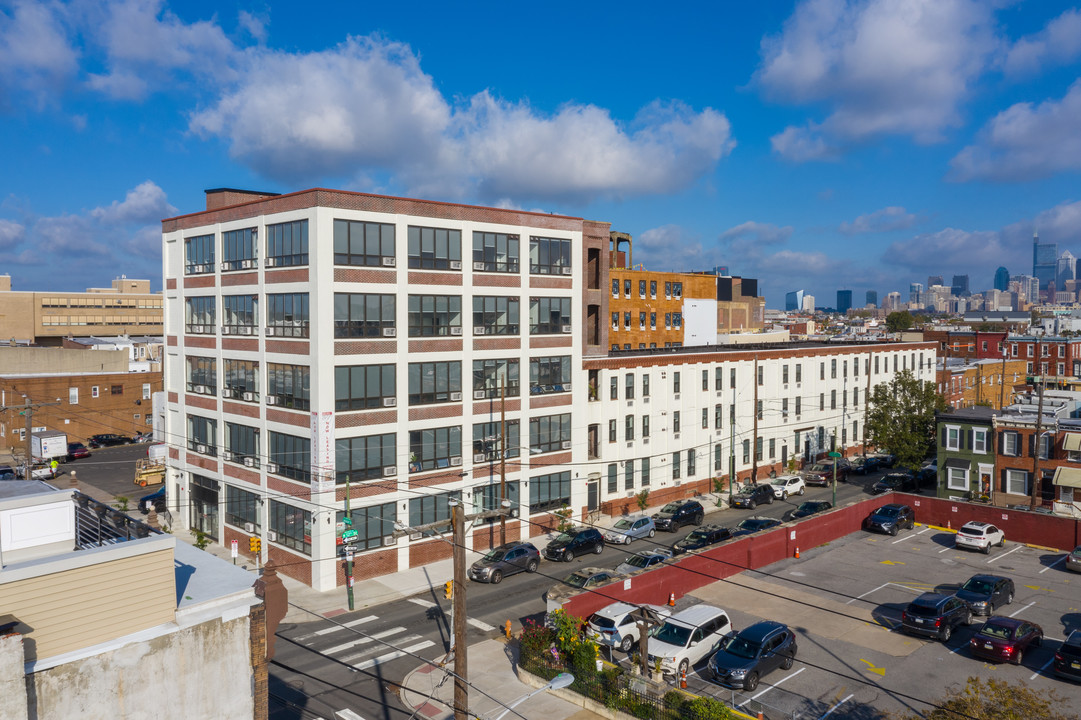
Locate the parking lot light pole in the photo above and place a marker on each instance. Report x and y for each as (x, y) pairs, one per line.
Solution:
(835, 456)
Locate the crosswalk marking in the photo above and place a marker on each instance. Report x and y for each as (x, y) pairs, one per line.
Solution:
(393, 655)
(335, 628)
(364, 640)
(398, 641)
(479, 624)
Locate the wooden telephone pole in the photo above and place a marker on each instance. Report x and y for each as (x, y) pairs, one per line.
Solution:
(27, 409)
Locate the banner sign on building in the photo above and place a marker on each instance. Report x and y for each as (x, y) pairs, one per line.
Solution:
(322, 452)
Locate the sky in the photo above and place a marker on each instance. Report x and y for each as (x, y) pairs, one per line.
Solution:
(816, 145)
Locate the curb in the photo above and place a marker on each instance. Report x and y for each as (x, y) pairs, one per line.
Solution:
(938, 527)
(1045, 547)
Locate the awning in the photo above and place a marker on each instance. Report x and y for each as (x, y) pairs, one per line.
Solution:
(958, 463)
(1072, 442)
(1068, 477)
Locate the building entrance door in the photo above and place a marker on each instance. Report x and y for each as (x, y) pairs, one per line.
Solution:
(592, 499)
(204, 505)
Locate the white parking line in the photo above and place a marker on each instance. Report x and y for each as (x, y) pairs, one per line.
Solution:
(858, 597)
(1021, 610)
(944, 550)
(479, 624)
(393, 655)
(1057, 562)
(830, 711)
(910, 535)
(333, 628)
(763, 692)
(363, 640)
(348, 714)
(999, 557)
(1037, 673)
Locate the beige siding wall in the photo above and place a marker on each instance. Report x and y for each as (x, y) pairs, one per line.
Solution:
(81, 607)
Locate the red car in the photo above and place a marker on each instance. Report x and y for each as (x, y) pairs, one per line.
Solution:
(77, 451)
(1005, 639)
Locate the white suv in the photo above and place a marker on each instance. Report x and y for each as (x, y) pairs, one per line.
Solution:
(687, 637)
(980, 536)
(613, 626)
(785, 485)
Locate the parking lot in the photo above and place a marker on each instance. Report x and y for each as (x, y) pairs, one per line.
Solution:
(845, 601)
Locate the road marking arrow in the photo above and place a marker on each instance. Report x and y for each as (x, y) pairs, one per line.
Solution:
(871, 668)
(1037, 587)
(892, 562)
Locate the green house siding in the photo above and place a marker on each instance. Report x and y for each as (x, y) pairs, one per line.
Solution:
(966, 456)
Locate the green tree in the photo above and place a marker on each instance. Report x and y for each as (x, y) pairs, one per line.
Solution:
(901, 417)
(899, 320)
(995, 700)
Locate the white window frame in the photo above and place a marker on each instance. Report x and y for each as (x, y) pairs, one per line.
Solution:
(979, 440)
(957, 479)
(1014, 476)
(1015, 436)
(146, 391)
(73, 396)
(94, 392)
(955, 442)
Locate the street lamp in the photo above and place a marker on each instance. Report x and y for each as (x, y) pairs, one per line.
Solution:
(560, 681)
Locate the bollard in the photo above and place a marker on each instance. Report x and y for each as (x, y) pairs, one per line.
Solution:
(73, 483)
(506, 629)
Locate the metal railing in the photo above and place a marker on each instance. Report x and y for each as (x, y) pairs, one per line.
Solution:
(97, 524)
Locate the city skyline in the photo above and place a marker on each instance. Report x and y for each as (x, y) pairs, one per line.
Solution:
(812, 144)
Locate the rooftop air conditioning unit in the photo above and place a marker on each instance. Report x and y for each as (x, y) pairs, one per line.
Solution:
(390, 470)
(479, 394)
(390, 332)
(478, 329)
(456, 330)
(390, 402)
(250, 462)
(455, 264)
(456, 397)
(200, 449)
(248, 396)
(456, 460)
(249, 527)
(271, 536)
(272, 467)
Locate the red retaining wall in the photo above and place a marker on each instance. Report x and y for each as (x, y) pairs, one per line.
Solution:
(1019, 525)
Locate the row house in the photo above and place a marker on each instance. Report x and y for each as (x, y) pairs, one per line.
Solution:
(1024, 459)
(968, 383)
(966, 452)
(1054, 358)
(967, 344)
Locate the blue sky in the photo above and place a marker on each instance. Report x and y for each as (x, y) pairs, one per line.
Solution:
(819, 145)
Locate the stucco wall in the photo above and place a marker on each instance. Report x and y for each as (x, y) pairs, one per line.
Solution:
(17, 360)
(12, 689)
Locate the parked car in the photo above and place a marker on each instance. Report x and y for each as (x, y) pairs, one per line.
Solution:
(688, 636)
(785, 485)
(890, 519)
(503, 560)
(576, 541)
(701, 537)
(614, 625)
(156, 498)
(865, 465)
(749, 496)
(643, 560)
(754, 524)
(630, 528)
(935, 615)
(821, 473)
(895, 482)
(108, 440)
(755, 651)
(143, 437)
(986, 593)
(582, 579)
(926, 476)
(8, 473)
(1073, 560)
(39, 471)
(1005, 638)
(810, 507)
(77, 451)
(886, 460)
(1068, 657)
(977, 535)
(676, 514)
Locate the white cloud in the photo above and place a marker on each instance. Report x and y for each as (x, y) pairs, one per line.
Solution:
(1058, 43)
(1060, 224)
(757, 233)
(146, 203)
(366, 105)
(882, 67)
(254, 24)
(885, 220)
(11, 233)
(1025, 142)
(36, 55)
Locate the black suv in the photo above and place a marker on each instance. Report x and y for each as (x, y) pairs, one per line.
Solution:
(1068, 657)
(676, 514)
(576, 541)
(108, 439)
(753, 524)
(701, 537)
(890, 519)
(986, 593)
(810, 508)
(896, 482)
(935, 615)
(750, 495)
(752, 653)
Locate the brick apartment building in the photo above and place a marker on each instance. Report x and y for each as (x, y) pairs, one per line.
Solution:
(967, 383)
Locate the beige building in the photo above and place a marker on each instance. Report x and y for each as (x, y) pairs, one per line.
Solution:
(126, 308)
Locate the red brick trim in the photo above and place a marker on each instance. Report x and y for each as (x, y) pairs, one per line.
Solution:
(433, 412)
(241, 473)
(244, 278)
(174, 453)
(201, 341)
(288, 347)
(363, 418)
(422, 553)
(289, 488)
(199, 281)
(291, 275)
(296, 566)
(171, 340)
(547, 401)
(244, 345)
(371, 564)
(289, 417)
(503, 343)
(496, 280)
(547, 282)
(174, 398)
(170, 284)
(435, 278)
(242, 409)
(365, 275)
(544, 461)
(201, 402)
(551, 342)
(483, 407)
(365, 347)
(367, 489)
(435, 477)
(428, 345)
(200, 461)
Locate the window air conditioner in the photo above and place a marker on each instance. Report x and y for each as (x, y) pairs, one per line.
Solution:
(455, 397)
(248, 396)
(456, 330)
(390, 470)
(247, 264)
(479, 394)
(478, 266)
(479, 457)
(249, 527)
(271, 262)
(225, 266)
(390, 540)
(272, 536)
(200, 449)
(390, 332)
(272, 467)
(566, 328)
(567, 271)
(389, 262)
(201, 389)
(271, 331)
(478, 329)
(226, 392)
(456, 460)
(566, 387)
(566, 445)
(455, 264)
(244, 329)
(250, 462)
(227, 455)
(390, 402)
(271, 399)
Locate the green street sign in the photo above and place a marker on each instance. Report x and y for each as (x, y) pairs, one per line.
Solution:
(835, 454)
(349, 535)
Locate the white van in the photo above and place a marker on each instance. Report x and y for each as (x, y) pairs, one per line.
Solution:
(687, 637)
(613, 626)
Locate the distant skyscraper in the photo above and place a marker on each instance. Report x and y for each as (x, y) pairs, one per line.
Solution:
(1065, 269)
(844, 301)
(892, 301)
(872, 298)
(915, 293)
(1002, 279)
(809, 304)
(960, 286)
(1044, 258)
(933, 280)
(793, 301)
(1028, 287)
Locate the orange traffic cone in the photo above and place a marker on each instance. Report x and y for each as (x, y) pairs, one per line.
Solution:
(797, 553)
(671, 599)
(683, 680)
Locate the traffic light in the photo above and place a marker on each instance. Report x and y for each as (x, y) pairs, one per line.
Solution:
(254, 544)
(448, 589)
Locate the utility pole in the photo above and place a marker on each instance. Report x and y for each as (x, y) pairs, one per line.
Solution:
(754, 437)
(866, 403)
(503, 460)
(1035, 489)
(732, 447)
(348, 522)
(27, 409)
(1002, 384)
(461, 691)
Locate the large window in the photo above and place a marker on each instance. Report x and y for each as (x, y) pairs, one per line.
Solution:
(549, 256)
(1017, 482)
(549, 492)
(1011, 443)
(435, 248)
(241, 508)
(199, 315)
(241, 380)
(202, 435)
(957, 478)
(435, 382)
(549, 316)
(238, 249)
(435, 448)
(238, 314)
(363, 387)
(242, 444)
(292, 455)
(496, 315)
(289, 386)
(486, 441)
(202, 375)
(549, 433)
(365, 458)
(435, 315)
(486, 497)
(495, 252)
(549, 375)
(979, 441)
(287, 244)
(373, 524)
(489, 377)
(199, 254)
(291, 526)
(432, 509)
(363, 243)
(364, 315)
(287, 314)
